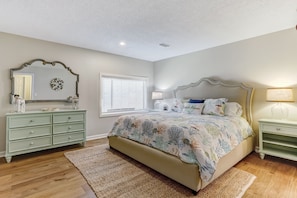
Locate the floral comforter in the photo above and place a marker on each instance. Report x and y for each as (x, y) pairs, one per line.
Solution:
(200, 139)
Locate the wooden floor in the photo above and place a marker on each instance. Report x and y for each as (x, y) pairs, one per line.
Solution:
(50, 174)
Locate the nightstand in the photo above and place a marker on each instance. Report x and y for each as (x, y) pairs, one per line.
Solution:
(278, 138)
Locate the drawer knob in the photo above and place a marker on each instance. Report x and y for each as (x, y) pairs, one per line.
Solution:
(69, 137)
(31, 132)
(278, 129)
(31, 143)
(31, 120)
(69, 118)
(69, 127)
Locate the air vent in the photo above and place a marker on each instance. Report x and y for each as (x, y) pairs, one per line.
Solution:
(164, 45)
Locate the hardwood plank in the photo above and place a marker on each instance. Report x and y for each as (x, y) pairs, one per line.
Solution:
(43, 174)
(276, 177)
(50, 174)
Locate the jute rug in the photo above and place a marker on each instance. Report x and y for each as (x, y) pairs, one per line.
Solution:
(112, 174)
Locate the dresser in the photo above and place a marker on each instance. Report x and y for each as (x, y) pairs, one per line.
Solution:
(278, 138)
(40, 130)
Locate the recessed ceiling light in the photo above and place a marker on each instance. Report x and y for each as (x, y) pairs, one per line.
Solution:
(164, 45)
(122, 43)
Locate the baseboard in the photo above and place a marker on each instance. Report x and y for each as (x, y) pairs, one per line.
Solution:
(2, 153)
(94, 137)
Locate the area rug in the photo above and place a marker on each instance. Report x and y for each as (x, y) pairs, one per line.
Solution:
(112, 174)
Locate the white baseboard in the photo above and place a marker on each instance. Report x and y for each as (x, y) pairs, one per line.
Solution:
(94, 137)
(2, 153)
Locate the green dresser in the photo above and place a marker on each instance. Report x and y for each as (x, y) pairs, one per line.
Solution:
(35, 131)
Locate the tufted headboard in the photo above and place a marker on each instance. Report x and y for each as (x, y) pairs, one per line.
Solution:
(213, 88)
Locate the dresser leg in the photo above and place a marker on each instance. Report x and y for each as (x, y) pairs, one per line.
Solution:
(262, 155)
(8, 159)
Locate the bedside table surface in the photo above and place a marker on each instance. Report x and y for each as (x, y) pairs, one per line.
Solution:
(293, 122)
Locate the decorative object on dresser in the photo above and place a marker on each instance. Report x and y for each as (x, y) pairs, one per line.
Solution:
(40, 130)
(75, 101)
(42, 81)
(19, 104)
(278, 138)
(279, 95)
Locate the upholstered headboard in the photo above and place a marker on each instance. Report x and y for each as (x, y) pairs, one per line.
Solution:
(213, 88)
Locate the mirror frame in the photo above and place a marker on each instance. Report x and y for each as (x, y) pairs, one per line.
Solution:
(27, 64)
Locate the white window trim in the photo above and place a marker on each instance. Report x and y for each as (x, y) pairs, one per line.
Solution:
(112, 114)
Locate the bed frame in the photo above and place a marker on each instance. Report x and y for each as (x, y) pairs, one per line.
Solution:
(172, 166)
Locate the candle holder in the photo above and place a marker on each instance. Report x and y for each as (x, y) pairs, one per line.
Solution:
(75, 101)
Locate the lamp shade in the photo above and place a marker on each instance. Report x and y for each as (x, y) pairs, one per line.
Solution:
(279, 95)
(157, 95)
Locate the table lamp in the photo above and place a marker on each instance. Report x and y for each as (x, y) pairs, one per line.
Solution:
(157, 95)
(279, 95)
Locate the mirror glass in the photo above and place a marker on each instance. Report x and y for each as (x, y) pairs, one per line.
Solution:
(39, 80)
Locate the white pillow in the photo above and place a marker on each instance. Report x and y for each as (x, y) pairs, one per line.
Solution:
(173, 104)
(214, 106)
(193, 108)
(233, 109)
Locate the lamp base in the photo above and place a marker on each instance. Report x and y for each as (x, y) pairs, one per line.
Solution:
(279, 111)
(157, 104)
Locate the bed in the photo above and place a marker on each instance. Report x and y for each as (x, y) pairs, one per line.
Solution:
(189, 174)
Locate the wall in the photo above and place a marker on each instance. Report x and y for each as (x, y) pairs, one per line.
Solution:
(265, 61)
(15, 50)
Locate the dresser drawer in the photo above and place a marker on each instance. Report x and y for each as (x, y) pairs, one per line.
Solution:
(68, 117)
(279, 129)
(29, 132)
(27, 144)
(27, 121)
(69, 127)
(68, 137)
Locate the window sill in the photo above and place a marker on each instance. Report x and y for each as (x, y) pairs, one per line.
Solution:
(116, 114)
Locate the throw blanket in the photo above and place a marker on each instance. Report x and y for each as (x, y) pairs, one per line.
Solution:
(200, 139)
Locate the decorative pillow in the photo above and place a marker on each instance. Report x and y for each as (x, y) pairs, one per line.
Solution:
(233, 109)
(173, 104)
(215, 106)
(193, 108)
(196, 101)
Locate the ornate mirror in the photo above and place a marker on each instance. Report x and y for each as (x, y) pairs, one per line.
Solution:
(42, 81)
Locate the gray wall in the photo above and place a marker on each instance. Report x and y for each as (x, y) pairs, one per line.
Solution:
(265, 61)
(15, 50)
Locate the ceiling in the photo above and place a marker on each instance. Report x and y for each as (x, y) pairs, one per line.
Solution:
(185, 25)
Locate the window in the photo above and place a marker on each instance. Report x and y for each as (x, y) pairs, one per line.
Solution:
(122, 94)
